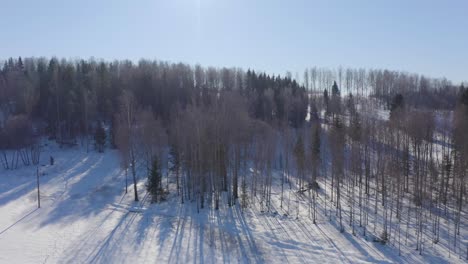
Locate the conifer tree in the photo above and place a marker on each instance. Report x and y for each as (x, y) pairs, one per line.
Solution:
(154, 182)
(335, 89)
(396, 106)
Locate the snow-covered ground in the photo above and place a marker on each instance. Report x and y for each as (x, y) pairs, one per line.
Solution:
(86, 217)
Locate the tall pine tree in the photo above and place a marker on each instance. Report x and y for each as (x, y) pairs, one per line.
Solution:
(154, 182)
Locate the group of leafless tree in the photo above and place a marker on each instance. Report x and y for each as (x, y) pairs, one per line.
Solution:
(226, 136)
(419, 91)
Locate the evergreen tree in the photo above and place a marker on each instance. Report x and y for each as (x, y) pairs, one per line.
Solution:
(397, 102)
(335, 104)
(154, 182)
(20, 64)
(335, 89)
(396, 106)
(464, 95)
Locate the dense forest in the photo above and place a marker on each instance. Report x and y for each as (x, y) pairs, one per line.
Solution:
(226, 135)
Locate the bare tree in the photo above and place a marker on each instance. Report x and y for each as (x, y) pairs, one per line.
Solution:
(127, 136)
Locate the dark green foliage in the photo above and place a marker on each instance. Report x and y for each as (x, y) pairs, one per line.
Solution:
(396, 106)
(461, 125)
(335, 104)
(314, 186)
(298, 111)
(397, 102)
(383, 239)
(69, 96)
(464, 95)
(154, 183)
(276, 99)
(335, 89)
(337, 124)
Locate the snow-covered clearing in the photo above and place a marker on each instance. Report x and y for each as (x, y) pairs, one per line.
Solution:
(86, 217)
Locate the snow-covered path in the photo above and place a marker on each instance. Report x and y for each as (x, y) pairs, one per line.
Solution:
(85, 218)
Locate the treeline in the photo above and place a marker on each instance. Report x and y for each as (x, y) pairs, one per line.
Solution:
(71, 95)
(224, 135)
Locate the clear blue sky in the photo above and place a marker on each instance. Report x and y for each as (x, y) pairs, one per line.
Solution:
(426, 37)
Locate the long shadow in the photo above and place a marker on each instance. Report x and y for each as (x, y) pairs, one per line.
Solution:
(113, 240)
(106, 247)
(191, 226)
(83, 242)
(17, 192)
(166, 224)
(18, 221)
(17, 183)
(363, 251)
(176, 247)
(191, 232)
(87, 189)
(229, 223)
(342, 254)
(146, 219)
(178, 231)
(250, 238)
(225, 222)
(201, 243)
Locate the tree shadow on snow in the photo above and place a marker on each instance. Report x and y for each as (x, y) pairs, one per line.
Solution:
(87, 188)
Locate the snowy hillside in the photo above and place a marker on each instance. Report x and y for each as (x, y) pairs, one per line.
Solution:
(86, 217)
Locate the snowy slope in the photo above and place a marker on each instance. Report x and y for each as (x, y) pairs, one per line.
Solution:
(85, 218)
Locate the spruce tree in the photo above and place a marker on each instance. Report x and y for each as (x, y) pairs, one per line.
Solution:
(464, 95)
(335, 89)
(397, 102)
(154, 182)
(396, 106)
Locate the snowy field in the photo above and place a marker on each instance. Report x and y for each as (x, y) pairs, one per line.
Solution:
(86, 217)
